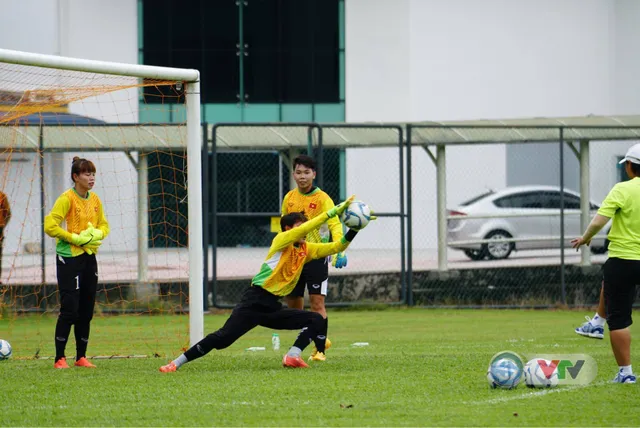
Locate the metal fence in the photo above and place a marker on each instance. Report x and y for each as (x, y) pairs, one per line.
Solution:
(246, 186)
(431, 246)
(426, 250)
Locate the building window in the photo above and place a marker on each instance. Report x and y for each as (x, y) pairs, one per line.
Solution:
(258, 51)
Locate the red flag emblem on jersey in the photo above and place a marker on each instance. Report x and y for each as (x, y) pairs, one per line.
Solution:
(312, 206)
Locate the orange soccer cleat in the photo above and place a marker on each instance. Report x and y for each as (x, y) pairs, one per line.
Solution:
(61, 364)
(169, 368)
(293, 362)
(83, 362)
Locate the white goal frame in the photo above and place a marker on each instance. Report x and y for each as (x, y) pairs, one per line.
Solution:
(191, 78)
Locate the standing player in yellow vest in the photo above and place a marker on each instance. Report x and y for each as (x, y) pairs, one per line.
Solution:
(621, 271)
(312, 201)
(77, 269)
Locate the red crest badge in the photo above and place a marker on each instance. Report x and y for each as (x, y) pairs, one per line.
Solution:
(312, 206)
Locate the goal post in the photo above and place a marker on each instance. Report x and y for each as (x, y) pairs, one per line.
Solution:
(191, 80)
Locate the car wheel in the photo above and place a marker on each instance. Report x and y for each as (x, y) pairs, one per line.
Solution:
(498, 250)
(474, 254)
(601, 250)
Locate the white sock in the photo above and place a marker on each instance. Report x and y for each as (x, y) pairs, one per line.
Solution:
(597, 320)
(626, 370)
(180, 361)
(294, 351)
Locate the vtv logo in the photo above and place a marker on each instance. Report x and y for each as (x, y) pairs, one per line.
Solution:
(572, 369)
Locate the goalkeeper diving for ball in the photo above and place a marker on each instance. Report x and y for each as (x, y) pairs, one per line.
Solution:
(260, 304)
(76, 265)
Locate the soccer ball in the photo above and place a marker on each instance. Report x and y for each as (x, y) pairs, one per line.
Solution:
(5, 349)
(356, 216)
(537, 377)
(504, 373)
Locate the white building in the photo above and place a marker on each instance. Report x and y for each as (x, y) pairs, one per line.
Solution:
(406, 60)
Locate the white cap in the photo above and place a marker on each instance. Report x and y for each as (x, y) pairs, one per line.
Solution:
(633, 154)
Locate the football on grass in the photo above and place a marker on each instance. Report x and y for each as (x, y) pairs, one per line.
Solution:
(5, 349)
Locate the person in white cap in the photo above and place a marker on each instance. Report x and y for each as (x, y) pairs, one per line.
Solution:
(621, 271)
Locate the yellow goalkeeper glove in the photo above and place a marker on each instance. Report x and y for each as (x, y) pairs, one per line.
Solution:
(97, 235)
(340, 208)
(82, 238)
(89, 239)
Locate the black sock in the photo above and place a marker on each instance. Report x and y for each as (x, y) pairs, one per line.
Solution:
(63, 328)
(310, 333)
(81, 331)
(321, 337)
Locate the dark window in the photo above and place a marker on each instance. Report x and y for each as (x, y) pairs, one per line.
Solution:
(290, 48)
(552, 201)
(171, 38)
(521, 200)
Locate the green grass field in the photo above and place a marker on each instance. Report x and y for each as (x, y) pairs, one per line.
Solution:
(422, 367)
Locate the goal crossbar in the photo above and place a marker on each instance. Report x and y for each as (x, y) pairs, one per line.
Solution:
(102, 67)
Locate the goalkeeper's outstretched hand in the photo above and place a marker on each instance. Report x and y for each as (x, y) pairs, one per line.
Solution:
(340, 208)
(340, 260)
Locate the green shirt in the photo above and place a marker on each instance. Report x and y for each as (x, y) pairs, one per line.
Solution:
(622, 204)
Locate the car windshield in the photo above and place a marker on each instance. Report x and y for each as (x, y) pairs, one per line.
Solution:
(477, 198)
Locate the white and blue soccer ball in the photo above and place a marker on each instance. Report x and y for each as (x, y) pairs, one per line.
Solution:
(356, 216)
(504, 373)
(5, 349)
(537, 376)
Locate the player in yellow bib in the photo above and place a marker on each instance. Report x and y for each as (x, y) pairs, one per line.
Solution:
(278, 275)
(312, 201)
(621, 271)
(77, 269)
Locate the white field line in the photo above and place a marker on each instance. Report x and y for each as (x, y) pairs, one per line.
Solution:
(534, 394)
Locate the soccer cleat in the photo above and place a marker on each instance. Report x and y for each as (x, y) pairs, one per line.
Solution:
(61, 364)
(83, 362)
(624, 378)
(327, 345)
(293, 362)
(169, 368)
(318, 356)
(589, 330)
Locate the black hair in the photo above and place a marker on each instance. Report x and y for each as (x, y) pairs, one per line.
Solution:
(635, 168)
(80, 165)
(304, 160)
(288, 220)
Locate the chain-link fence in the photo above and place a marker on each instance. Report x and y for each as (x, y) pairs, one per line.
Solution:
(472, 215)
(247, 187)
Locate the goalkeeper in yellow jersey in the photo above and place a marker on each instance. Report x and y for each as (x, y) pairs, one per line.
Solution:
(312, 201)
(279, 274)
(77, 269)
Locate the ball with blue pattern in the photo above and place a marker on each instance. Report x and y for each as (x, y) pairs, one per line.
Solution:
(5, 349)
(504, 373)
(356, 216)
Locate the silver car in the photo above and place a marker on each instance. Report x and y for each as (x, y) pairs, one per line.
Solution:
(531, 218)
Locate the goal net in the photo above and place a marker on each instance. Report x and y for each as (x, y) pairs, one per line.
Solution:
(140, 127)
